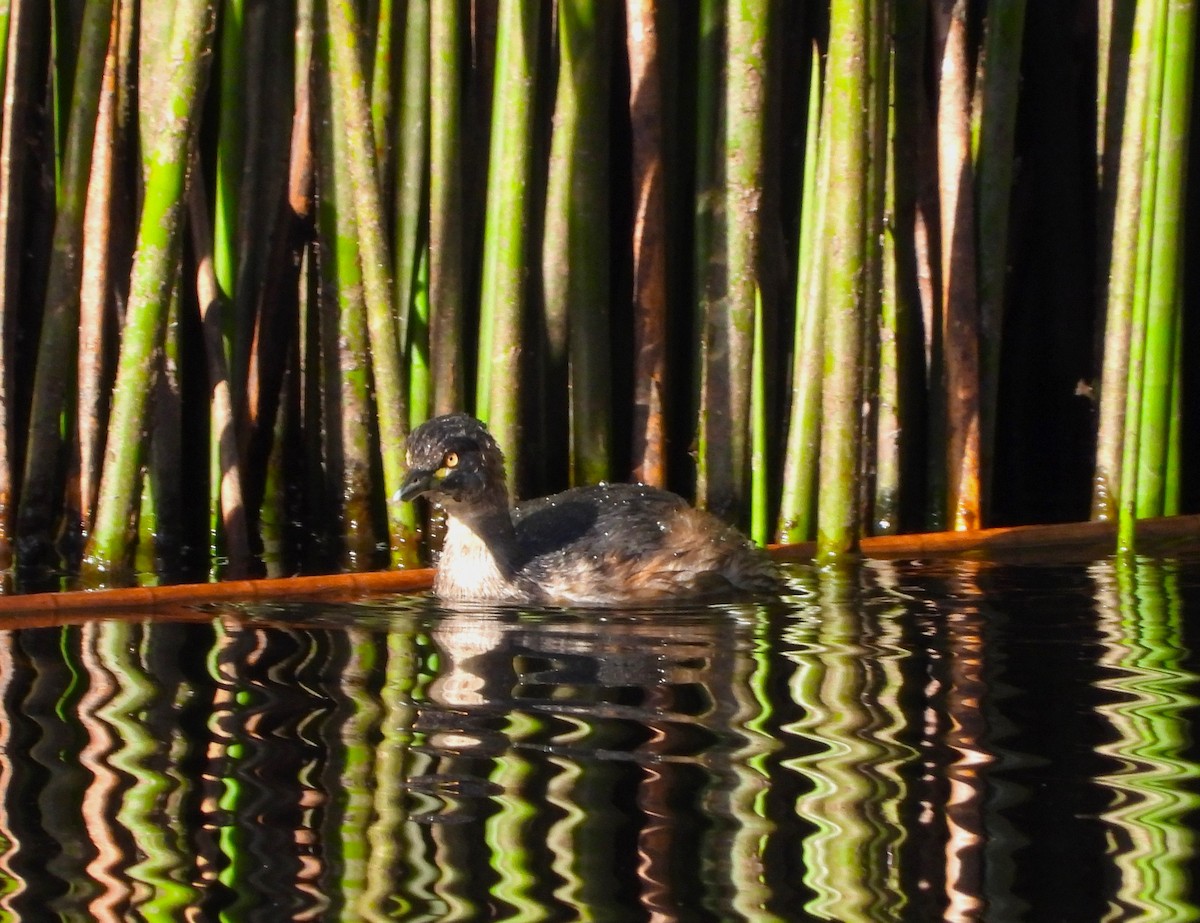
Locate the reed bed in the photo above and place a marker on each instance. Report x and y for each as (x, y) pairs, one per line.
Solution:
(833, 271)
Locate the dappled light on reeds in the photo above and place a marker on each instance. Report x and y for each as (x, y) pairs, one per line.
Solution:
(819, 268)
(1138, 453)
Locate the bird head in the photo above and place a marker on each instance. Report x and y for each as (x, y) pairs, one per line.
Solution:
(454, 458)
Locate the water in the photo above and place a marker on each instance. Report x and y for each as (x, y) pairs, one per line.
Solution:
(933, 741)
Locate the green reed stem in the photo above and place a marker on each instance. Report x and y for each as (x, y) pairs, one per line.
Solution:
(446, 261)
(412, 146)
(419, 380)
(708, 240)
(1173, 464)
(5, 18)
(42, 495)
(797, 510)
(1165, 283)
(1116, 372)
(876, 189)
(227, 178)
(391, 401)
(228, 500)
(58, 98)
(344, 333)
(1114, 40)
(760, 479)
(277, 479)
(730, 327)
(994, 117)
(343, 329)
(150, 284)
(145, 559)
(838, 524)
(893, 357)
(1143, 269)
(227, 182)
(164, 444)
(575, 254)
(506, 226)
(382, 99)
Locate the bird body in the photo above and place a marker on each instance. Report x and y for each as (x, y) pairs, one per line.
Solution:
(607, 544)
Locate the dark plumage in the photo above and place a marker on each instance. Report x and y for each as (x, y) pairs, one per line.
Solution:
(603, 545)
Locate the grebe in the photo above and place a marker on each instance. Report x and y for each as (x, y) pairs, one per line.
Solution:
(605, 545)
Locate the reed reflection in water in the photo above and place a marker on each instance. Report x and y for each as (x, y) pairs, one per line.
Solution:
(915, 742)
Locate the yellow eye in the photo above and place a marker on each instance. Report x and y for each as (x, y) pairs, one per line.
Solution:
(451, 460)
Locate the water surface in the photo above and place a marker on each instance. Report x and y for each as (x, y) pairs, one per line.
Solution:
(925, 741)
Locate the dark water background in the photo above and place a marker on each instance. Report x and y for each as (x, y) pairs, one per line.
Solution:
(923, 741)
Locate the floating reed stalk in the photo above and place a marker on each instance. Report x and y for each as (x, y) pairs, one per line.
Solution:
(151, 281)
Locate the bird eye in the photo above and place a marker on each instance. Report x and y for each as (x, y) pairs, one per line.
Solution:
(451, 460)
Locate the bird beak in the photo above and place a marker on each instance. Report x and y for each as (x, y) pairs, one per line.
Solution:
(415, 484)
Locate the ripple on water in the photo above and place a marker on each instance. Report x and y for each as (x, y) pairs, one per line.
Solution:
(956, 727)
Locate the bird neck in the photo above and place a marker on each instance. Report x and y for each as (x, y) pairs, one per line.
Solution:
(492, 524)
(480, 556)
